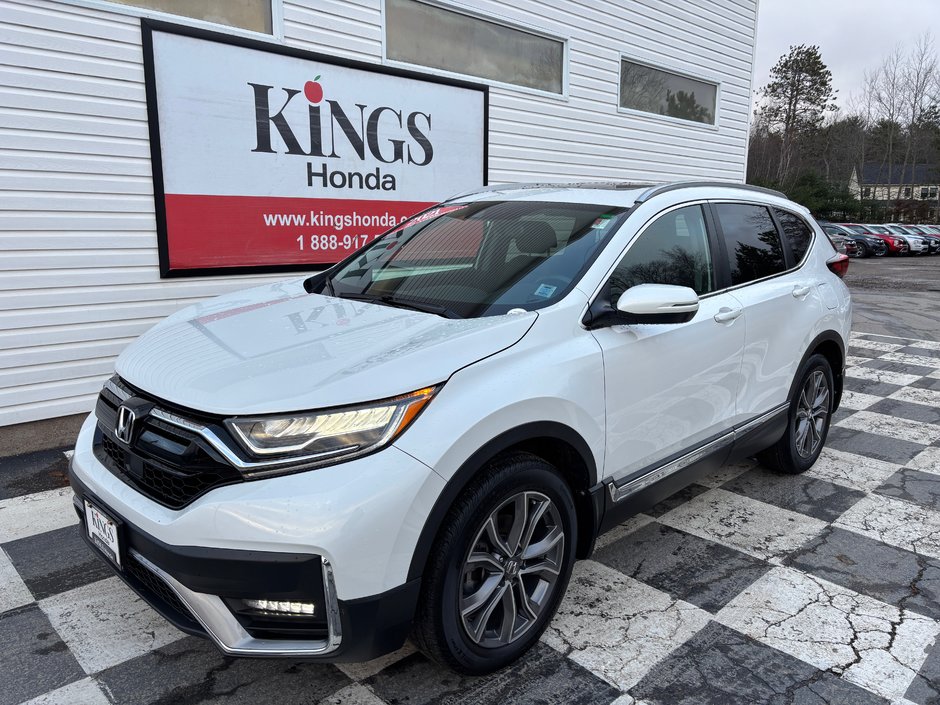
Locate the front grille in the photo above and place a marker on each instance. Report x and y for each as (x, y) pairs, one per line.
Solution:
(155, 586)
(170, 465)
(115, 454)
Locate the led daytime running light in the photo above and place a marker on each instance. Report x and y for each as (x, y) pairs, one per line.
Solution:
(298, 608)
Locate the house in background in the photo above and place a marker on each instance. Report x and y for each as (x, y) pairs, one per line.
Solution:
(918, 185)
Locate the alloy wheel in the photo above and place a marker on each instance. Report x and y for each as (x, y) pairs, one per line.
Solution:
(812, 414)
(511, 570)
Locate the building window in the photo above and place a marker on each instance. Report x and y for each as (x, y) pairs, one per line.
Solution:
(933, 192)
(907, 192)
(246, 14)
(866, 192)
(924, 192)
(660, 92)
(428, 35)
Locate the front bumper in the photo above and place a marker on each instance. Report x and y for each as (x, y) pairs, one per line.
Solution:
(193, 587)
(341, 537)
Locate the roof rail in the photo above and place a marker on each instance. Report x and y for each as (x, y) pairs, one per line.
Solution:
(619, 185)
(665, 188)
(651, 189)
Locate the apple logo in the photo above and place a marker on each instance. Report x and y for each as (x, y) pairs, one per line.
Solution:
(313, 90)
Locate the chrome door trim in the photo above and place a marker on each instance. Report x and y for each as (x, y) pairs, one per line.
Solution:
(618, 494)
(621, 492)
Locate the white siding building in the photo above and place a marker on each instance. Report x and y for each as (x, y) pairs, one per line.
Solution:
(79, 274)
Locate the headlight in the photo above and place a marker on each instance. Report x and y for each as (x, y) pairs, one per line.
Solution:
(353, 430)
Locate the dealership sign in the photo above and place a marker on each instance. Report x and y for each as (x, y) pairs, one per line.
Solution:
(268, 158)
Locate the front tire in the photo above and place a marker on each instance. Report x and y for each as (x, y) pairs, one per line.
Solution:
(499, 567)
(808, 420)
(863, 251)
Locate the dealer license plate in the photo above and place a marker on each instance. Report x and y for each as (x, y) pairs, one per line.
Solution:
(103, 532)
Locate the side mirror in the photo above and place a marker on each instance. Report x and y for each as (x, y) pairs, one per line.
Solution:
(657, 303)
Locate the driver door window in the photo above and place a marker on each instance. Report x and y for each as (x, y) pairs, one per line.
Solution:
(672, 250)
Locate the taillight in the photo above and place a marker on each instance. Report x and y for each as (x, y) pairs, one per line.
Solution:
(838, 265)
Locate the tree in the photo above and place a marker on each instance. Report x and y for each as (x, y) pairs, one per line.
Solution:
(919, 77)
(684, 105)
(891, 128)
(889, 97)
(796, 99)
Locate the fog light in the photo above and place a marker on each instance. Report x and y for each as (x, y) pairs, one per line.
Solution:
(281, 607)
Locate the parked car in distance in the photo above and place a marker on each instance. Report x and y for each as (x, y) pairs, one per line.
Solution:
(933, 241)
(865, 245)
(317, 468)
(842, 242)
(897, 245)
(917, 244)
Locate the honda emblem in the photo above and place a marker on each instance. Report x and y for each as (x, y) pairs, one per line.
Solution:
(124, 428)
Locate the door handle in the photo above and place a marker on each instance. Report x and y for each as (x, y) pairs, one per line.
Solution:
(800, 291)
(726, 314)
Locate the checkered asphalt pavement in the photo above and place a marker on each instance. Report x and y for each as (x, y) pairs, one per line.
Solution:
(749, 588)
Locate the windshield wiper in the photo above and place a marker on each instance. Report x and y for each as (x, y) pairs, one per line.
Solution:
(390, 300)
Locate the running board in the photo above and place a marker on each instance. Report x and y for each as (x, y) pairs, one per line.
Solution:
(620, 493)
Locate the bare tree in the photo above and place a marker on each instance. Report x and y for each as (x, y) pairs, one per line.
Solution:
(862, 105)
(889, 99)
(918, 77)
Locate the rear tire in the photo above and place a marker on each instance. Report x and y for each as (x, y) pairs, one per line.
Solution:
(499, 567)
(808, 420)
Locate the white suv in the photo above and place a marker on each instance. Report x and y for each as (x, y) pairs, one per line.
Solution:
(423, 438)
(917, 244)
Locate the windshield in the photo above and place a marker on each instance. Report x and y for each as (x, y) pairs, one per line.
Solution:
(857, 229)
(879, 229)
(898, 230)
(478, 259)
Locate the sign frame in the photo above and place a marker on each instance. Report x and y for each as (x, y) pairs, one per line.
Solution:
(149, 26)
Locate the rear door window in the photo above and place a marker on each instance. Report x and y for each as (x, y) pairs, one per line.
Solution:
(797, 233)
(752, 245)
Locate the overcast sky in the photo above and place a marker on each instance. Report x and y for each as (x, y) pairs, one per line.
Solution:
(852, 35)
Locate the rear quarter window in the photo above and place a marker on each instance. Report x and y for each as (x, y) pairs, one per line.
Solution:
(798, 234)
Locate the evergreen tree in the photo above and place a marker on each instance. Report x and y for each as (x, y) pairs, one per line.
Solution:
(796, 99)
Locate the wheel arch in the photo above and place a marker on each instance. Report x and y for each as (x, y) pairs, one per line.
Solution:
(554, 442)
(830, 345)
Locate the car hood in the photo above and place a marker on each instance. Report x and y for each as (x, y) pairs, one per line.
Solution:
(277, 348)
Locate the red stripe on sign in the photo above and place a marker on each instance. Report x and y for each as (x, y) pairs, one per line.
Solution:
(243, 231)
